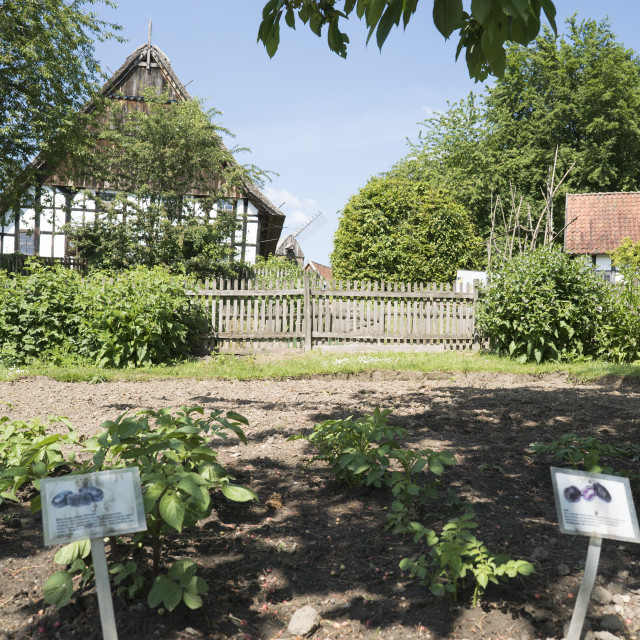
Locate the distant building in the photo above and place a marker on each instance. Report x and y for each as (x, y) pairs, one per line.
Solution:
(319, 269)
(598, 223)
(35, 228)
(290, 249)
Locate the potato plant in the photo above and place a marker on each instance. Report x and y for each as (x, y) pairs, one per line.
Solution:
(28, 453)
(178, 471)
(456, 556)
(366, 451)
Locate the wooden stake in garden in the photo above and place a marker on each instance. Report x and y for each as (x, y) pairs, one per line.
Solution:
(516, 233)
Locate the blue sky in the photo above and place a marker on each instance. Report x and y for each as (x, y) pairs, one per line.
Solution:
(323, 124)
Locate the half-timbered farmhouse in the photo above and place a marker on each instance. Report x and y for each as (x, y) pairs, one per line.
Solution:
(37, 226)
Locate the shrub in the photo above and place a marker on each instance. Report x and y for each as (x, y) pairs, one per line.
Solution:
(141, 317)
(405, 231)
(542, 305)
(39, 313)
(619, 334)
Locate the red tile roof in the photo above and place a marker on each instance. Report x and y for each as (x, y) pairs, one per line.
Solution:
(602, 221)
(322, 270)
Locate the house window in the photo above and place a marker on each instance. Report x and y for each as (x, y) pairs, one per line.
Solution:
(27, 246)
(70, 248)
(225, 205)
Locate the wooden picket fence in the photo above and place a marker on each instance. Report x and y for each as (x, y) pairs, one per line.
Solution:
(16, 262)
(306, 313)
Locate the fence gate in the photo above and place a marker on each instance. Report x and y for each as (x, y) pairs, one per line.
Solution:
(304, 313)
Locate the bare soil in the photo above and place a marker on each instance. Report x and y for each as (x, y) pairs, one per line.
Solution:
(313, 541)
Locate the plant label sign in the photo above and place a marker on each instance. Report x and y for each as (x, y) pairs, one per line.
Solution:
(92, 505)
(595, 504)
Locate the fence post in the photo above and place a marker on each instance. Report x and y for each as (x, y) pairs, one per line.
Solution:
(477, 341)
(308, 319)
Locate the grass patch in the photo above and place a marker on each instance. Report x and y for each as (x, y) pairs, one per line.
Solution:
(300, 365)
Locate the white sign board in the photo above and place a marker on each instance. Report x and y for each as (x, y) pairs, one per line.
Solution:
(595, 504)
(92, 505)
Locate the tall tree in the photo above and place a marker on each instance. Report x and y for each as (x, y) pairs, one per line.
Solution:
(47, 72)
(157, 159)
(451, 153)
(579, 93)
(403, 230)
(483, 30)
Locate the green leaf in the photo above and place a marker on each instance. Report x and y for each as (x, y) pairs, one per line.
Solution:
(172, 509)
(164, 591)
(194, 489)
(72, 551)
(447, 16)
(183, 570)
(435, 466)
(238, 493)
(192, 600)
(481, 9)
(58, 588)
(290, 19)
(152, 495)
(232, 415)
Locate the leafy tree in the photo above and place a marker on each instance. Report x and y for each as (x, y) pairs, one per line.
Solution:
(403, 230)
(451, 152)
(483, 30)
(579, 94)
(156, 158)
(627, 258)
(47, 72)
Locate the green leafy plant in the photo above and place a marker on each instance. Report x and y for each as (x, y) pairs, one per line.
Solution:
(366, 451)
(29, 452)
(178, 471)
(618, 336)
(457, 556)
(541, 305)
(138, 318)
(591, 454)
(39, 312)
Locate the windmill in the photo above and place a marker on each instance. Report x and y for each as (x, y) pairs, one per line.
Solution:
(290, 246)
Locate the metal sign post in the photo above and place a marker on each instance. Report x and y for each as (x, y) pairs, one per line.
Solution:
(595, 505)
(582, 601)
(103, 587)
(94, 506)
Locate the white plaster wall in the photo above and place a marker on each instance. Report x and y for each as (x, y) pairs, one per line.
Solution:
(252, 230)
(45, 245)
(58, 246)
(603, 261)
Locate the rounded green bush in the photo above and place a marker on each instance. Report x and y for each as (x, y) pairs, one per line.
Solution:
(543, 305)
(404, 231)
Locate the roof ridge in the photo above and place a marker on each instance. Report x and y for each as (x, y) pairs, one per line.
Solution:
(602, 193)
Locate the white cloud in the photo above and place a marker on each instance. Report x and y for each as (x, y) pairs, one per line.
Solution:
(297, 210)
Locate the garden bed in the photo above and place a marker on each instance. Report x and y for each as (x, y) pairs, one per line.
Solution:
(313, 541)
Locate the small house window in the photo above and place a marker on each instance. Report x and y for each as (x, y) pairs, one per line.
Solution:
(27, 245)
(70, 247)
(225, 205)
